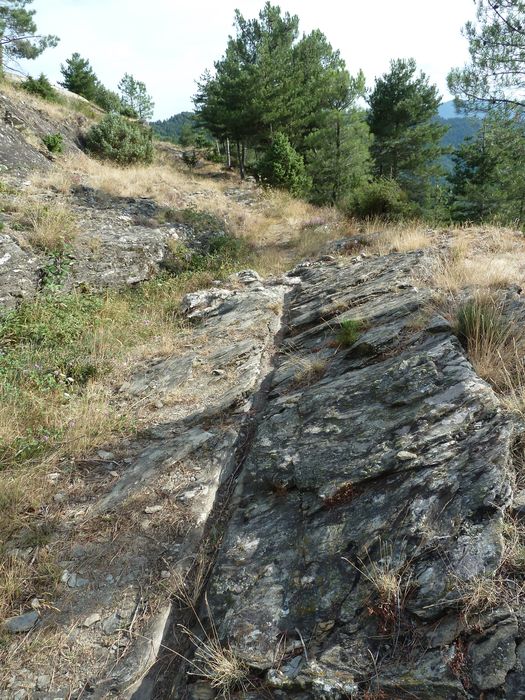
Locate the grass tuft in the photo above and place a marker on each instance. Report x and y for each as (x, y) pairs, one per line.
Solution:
(48, 227)
(349, 331)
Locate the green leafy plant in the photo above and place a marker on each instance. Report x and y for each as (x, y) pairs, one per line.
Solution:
(118, 139)
(55, 270)
(349, 331)
(382, 198)
(42, 87)
(283, 167)
(54, 142)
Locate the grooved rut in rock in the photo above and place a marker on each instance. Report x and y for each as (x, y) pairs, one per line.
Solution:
(368, 504)
(319, 509)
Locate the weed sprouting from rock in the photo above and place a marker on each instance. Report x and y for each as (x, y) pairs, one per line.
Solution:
(349, 331)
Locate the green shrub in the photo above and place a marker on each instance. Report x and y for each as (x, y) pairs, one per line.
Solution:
(54, 142)
(107, 100)
(200, 221)
(382, 198)
(349, 331)
(283, 167)
(42, 87)
(224, 252)
(118, 139)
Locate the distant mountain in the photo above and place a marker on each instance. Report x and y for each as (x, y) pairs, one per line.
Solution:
(459, 129)
(447, 110)
(461, 126)
(170, 129)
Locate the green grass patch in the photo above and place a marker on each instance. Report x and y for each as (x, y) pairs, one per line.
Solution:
(199, 221)
(349, 331)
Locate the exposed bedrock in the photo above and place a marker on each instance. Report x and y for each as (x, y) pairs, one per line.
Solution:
(370, 505)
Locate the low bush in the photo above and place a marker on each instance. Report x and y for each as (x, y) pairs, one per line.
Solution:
(223, 253)
(200, 221)
(42, 87)
(382, 198)
(120, 140)
(54, 143)
(283, 167)
(107, 100)
(349, 331)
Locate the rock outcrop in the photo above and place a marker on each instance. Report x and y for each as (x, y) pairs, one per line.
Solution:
(340, 502)
(120, 243)
(371, 504)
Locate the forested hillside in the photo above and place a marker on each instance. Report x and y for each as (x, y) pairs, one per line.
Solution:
(174, 128)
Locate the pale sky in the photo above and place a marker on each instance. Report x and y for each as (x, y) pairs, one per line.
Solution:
(169, 43)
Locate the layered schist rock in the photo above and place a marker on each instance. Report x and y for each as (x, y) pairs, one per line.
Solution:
(136, 515)
(371, 504)
(338, 506)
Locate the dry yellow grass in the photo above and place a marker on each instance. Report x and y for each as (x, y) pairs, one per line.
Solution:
(63, 110)
(46, 226)
(480, 258)
(398, 238)
(280, 229)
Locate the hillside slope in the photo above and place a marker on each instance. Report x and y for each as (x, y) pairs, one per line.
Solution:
(250, 449)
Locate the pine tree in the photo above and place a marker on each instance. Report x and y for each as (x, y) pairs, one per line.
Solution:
(407, 135)
(18, 33)
(496, 73)
(271, 81)
(473, 179)
(283, 167)
(488, 181)
(134, 96)
(79, 77)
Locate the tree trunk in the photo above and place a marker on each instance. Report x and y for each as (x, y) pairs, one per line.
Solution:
(228, 154)
(337, 179)
(239, 160)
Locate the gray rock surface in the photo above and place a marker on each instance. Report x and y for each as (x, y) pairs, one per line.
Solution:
(339, 502)
(389, 468)
(22, 623)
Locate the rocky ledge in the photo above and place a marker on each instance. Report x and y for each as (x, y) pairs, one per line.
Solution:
(371, 506)
(338, 492)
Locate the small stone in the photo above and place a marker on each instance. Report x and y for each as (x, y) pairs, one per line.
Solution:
(405, 456)
(43, 682)
(112, 623)
(165, 574)
(21, 623)
(153, 509)
(75, 581)
(248, 276)
(90, 621)
(518, 505)
(106, 455)
(201, 691)
(158, 404)
(438, 324)
(59, 497)
(54, 476)
(114, 474)
(23, 554)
